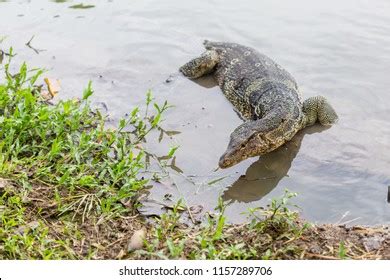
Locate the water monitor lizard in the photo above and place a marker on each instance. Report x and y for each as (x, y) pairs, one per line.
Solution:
(265, 95)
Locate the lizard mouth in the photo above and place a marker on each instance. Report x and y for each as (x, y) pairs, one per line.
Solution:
(226, 161)
(223, 163)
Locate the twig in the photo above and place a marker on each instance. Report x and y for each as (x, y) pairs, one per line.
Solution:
(342, 217)
(350, 221)
(37, 51)
(6, 53)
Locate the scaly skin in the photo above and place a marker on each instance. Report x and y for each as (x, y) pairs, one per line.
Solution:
(265, 94)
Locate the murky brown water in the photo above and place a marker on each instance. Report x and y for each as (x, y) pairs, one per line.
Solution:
(340, 49)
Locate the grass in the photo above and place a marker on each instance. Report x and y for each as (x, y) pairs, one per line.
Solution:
(69, 189)
(218, 240)
(64, 152)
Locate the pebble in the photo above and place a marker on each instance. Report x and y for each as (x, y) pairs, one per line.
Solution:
(137, 240)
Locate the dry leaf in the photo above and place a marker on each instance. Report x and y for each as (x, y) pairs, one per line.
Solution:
(53, 86)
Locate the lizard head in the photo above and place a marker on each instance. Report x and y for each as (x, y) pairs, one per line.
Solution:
(244, 142)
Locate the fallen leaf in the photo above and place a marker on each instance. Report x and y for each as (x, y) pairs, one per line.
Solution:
(120, 255)
(81, 6)
(53, 86)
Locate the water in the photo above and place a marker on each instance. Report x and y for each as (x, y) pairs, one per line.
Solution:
(340, 49)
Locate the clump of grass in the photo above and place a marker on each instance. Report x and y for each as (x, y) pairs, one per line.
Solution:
(59, 161)
(277, 218)
(267, 236)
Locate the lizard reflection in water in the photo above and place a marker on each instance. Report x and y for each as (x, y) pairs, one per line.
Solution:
(265, 174)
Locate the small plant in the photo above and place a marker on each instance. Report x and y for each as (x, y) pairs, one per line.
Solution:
(342, 252)
(218, 240)
(277, 217)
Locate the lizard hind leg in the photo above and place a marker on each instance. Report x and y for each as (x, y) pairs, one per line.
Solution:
(200, 66)
(318, 108)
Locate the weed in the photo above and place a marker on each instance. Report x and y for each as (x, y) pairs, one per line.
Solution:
(342, 251)
(218, 240)
(63, 163)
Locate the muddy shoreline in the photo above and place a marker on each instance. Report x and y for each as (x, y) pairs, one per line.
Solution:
(111, 238)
